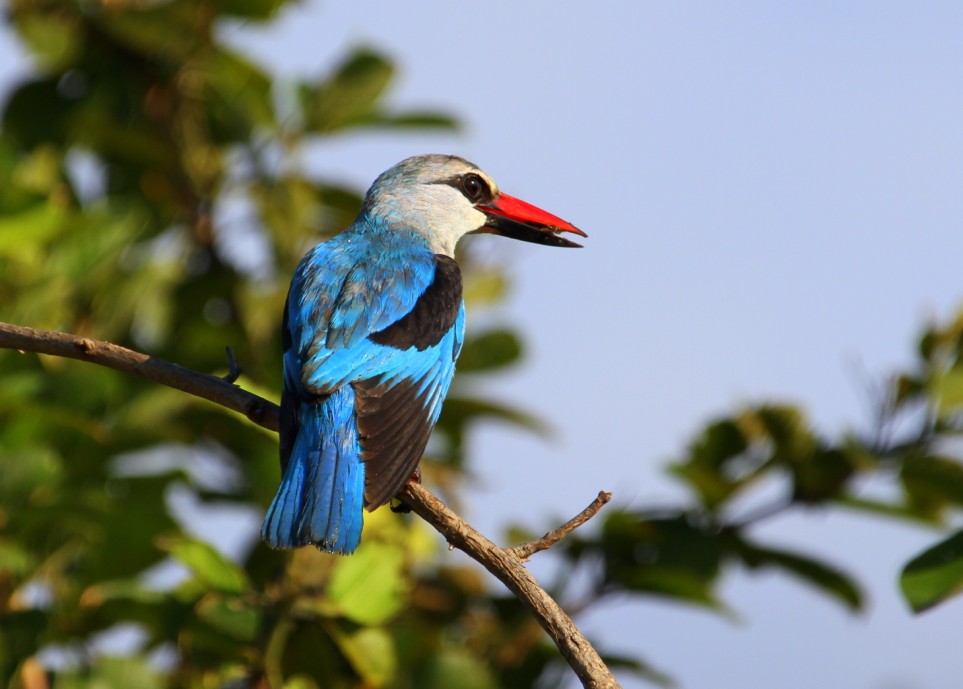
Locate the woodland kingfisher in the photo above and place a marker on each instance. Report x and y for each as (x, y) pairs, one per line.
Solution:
(373, 324)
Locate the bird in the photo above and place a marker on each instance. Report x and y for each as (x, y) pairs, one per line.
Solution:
(372, 327)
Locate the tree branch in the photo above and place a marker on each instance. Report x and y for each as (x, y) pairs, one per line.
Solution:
(508, 569)
(504, 563)
(525, 550)
(217, 390)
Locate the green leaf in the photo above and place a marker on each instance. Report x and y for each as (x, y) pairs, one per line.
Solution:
(670, 582)
(672, 555)
(259, 10)
(491, 350)
(241, 95)
(15, 560)
(907, 389)
(135, 145)
(823, 576)
(455, 667)
(419, 120)
(706, 468)
(821, 475)
(935, 574)
(371, 652)
(230, 615)
(948, 390)
(120, 589)
(36, 113)
(885, 509)
(168, 30)
(27, 468)
(21, 634)
(349, 96)
(40, 171)
(132, 513)
(927, 344)
(933, 480)
(53, 37)
(300, 682)
(785, 428)
(23, 234)
(127, 601)
(113, 673)
(369, 587)
(719, 443)
(485, 287)
(210, 567)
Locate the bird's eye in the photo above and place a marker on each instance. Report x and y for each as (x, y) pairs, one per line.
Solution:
(473, 186)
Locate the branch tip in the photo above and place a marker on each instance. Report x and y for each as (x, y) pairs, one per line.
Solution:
(525, 550)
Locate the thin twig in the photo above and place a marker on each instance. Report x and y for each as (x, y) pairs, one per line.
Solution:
(234, 370)
(503, 563)
(523, 551)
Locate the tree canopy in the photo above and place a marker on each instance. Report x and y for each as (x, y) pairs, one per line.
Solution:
(151, 195)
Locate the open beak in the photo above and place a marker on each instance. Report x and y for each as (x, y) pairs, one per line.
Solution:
(514, 218)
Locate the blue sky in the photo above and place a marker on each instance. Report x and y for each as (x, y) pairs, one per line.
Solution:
(774, 194)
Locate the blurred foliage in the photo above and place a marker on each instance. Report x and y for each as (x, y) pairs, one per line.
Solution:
(747, 468)
(151, 195)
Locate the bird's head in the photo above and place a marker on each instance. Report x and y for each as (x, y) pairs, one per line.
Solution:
(445, 197)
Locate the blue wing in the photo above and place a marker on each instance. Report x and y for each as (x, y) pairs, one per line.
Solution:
(370, 350)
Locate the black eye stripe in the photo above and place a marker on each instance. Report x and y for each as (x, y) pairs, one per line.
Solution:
(473, 186)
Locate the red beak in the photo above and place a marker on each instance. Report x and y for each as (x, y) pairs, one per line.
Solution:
(517, 219)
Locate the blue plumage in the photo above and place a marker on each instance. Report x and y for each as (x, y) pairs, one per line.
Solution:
(373, 324)
(321, 492)
(344, 291)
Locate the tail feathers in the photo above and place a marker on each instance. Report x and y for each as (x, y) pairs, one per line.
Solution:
(321, 495)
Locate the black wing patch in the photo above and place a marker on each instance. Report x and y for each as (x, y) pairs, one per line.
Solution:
(433, 314)
(394, 416)
(393, 425)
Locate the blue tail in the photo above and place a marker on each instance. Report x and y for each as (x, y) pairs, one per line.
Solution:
(321, 495)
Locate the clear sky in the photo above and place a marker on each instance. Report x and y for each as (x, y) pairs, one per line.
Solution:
(774, 194)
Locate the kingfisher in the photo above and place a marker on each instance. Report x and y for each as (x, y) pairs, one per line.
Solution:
(373, 324)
